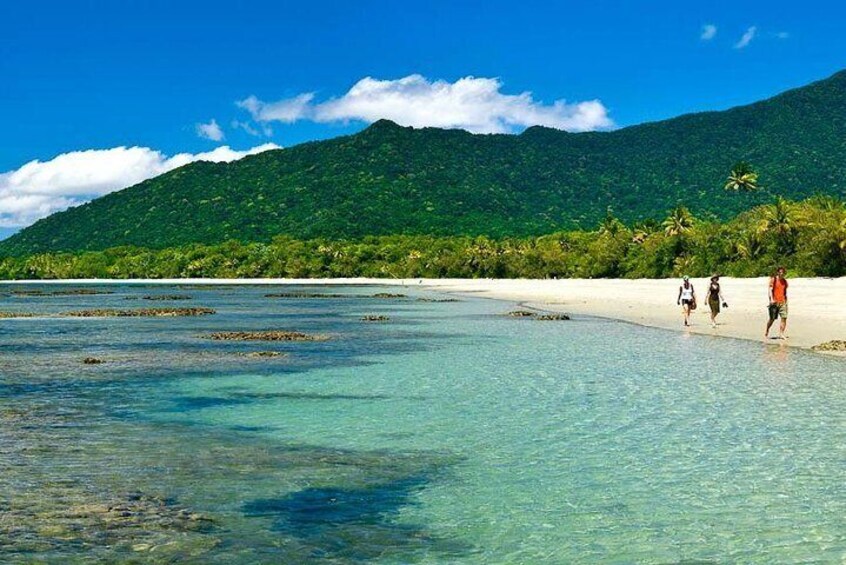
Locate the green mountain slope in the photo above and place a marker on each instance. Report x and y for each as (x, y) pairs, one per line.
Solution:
(394, 180)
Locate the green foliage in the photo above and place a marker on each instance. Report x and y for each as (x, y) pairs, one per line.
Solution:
(809, 237)
(742, 178)
(391, 180)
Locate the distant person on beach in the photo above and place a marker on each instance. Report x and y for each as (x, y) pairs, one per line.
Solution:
(715, 299)
(778, 303)
(687, 299)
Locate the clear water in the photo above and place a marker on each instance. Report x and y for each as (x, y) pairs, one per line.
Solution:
(449, 434)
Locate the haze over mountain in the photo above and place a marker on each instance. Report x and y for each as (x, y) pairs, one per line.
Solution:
(390, 179)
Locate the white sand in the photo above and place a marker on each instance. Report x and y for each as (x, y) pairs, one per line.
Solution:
(817, 310)
(817, 306)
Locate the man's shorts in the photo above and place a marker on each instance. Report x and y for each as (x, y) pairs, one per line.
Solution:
(778, 310)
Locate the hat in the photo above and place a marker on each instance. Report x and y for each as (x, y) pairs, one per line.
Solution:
(715, 276)
(685, 278)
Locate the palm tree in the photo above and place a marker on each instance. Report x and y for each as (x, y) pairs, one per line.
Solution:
(742, 178)
(610, 224)
(748, 246)
(678, 223)
(778, 220)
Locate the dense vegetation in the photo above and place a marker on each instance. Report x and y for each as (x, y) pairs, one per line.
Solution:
(389, 180)
(808, 237)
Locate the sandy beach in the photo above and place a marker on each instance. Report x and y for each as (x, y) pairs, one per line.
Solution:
(817, 312)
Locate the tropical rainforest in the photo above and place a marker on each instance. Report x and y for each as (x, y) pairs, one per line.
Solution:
(808, 237)
(505, 205)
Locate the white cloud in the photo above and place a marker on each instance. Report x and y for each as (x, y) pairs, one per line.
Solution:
(474, 104)
(782, 35)
(246, 126)
(286, 111)
(210, 131)
(708, 32)
(746, 38)
(37, 189)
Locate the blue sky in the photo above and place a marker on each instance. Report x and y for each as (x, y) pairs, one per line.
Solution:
(77, 76)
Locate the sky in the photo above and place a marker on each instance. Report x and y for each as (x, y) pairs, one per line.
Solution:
(97, 96)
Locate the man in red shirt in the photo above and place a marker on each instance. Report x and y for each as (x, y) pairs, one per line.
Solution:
(778, 303)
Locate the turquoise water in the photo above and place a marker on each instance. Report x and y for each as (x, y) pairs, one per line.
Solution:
(448, 434)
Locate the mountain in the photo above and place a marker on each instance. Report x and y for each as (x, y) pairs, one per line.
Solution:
(389, 179)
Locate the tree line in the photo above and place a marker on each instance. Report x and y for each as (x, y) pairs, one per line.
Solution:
(808, 237)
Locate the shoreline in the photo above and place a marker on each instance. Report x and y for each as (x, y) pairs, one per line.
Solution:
(817, 309)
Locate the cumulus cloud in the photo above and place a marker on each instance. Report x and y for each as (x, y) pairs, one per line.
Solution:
(210, 131)
(746, 38)
(708, 32)
(39, 188)
(471, 103)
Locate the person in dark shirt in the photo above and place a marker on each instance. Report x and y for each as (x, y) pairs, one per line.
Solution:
(715, 299)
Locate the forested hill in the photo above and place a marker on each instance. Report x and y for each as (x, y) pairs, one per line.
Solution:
(394, 180)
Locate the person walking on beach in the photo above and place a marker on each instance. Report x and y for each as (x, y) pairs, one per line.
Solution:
(715, 299)
(778, 303)
(687, 299)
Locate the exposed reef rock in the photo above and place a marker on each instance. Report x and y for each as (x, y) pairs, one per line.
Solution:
(521, 314)
(92, 361)
(304, 295)
(552, 317)
(374, 318)
(167, 297)
(269, 335)
(537, 315)
(63, 292)
(141, 312)
(835, 345)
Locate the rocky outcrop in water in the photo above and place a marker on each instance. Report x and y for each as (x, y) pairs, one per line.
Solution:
(141, 312)
(167, 297)
(426, 299)
(835, 345)
(268, 335)
(92, 361)
(388, 295)
(263, 354)
(552, 317)
(63, 292)
(304, 295)
(9, 315)
(374, 318)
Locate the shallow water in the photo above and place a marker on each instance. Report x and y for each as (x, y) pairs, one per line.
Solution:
(449, 433)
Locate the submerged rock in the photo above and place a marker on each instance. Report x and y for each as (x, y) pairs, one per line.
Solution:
(268, 335)
(141, 312)
(263, 354)
(374, 318)
(92, 361)
(388, 295)
(838, 345)
(167, 297)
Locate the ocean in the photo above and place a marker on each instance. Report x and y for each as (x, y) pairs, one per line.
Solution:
(449, 432)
